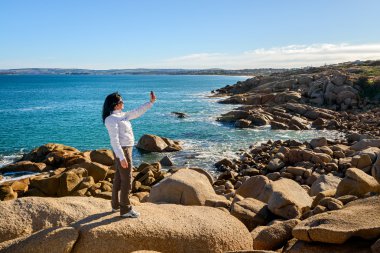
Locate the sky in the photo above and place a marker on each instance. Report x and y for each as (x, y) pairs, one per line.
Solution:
(117, 34)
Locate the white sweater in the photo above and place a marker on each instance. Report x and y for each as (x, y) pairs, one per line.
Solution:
(120, 129)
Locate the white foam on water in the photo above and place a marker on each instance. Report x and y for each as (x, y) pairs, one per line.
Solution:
(15, 178)
(11, 176)
(201, 94)
(8, 159)
(33, 108)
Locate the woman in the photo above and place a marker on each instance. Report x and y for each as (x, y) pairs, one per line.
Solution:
(122, 140)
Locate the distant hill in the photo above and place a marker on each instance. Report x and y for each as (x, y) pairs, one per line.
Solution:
(58, 71)
(368, 68)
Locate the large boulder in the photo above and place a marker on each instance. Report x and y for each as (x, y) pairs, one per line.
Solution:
(278, 126)
(85, 184)
(162, 228)
(61, 239)
(259, 119)
(346, 97)
(257, 187)
(288, 200)
(21, 185)
(68, 181)
(366, 143)
(151, 143)
(318, 142)
(357, 219)
(102, 156)
(323, 183)
(242, 123)
(297, 123)
(154, 143)
(349, 247)
(296, 107)
(251, 212)
(165, 228)
(371, 152)
(284, 97)
(204, 172)
(361, 161)
(358, 183)
(185, 187)
(48, 186)
(274, 236)
(23, 166)
(39, 154)
(24, 216)
(96, 170)
(234, 116)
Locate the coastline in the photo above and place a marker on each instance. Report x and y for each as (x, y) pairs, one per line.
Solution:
(274, 188)
(204, 136)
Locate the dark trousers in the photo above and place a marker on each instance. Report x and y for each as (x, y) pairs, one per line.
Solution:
(122, 182)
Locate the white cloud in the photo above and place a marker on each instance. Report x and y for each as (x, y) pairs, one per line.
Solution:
(290, 56)
(278, 57)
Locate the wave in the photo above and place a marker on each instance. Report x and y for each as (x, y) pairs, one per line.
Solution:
(201, 94)
(8, 159)
(33, 108)
(14, 177)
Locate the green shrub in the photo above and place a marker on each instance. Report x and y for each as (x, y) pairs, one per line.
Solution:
(370, 88)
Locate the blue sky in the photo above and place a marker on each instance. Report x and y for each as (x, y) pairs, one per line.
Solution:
(186, 34)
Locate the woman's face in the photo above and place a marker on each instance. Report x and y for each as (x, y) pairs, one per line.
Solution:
(120, 105)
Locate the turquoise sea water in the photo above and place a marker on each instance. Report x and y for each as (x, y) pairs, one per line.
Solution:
(35, 110)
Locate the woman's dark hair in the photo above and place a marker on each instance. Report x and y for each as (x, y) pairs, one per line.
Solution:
(109, 104)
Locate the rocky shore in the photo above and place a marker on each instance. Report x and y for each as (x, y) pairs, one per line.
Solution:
(344, 98)
(285, 196)
(280, 196)
(66, 171)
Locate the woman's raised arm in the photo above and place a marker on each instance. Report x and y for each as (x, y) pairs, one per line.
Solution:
(140, 110)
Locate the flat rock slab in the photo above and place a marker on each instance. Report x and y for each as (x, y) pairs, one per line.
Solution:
(25, 216)
(165, 228)
(85, 224)
(359, 218)
(60, 240)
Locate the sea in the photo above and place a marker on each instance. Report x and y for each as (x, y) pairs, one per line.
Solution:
(66, 109)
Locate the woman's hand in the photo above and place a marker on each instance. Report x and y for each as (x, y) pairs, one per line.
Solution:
(152, 97)
(124, 164)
